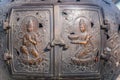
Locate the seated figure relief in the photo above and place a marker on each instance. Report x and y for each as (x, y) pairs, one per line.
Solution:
(29, 43)
(86, 50)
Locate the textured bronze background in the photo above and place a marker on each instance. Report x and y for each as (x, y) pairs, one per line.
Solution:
(73, 39)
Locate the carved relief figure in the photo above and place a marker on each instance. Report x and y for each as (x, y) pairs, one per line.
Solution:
(29, 43)
(86, 48)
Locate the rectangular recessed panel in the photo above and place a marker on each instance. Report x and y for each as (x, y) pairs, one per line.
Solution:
(29, 36)
(81, 34)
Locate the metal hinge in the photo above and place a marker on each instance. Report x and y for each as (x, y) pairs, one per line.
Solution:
(7, 57)
(6, 26)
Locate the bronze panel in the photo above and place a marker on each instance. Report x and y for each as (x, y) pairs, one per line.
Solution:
(28, 38)
(80, 31)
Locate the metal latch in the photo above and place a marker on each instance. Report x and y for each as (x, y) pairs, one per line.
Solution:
(57, 42)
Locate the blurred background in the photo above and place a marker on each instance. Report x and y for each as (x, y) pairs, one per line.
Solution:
(117, 2)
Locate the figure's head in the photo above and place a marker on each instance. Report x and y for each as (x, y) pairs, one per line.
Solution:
(30, 26)
(82, 25)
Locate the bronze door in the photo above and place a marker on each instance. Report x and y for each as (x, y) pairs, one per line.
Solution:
(79, 31)
(71, 47)
(31, 31)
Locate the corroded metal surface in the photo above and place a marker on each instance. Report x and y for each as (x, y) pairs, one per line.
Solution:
(59, 39)
(79, 33)
(30, 31)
